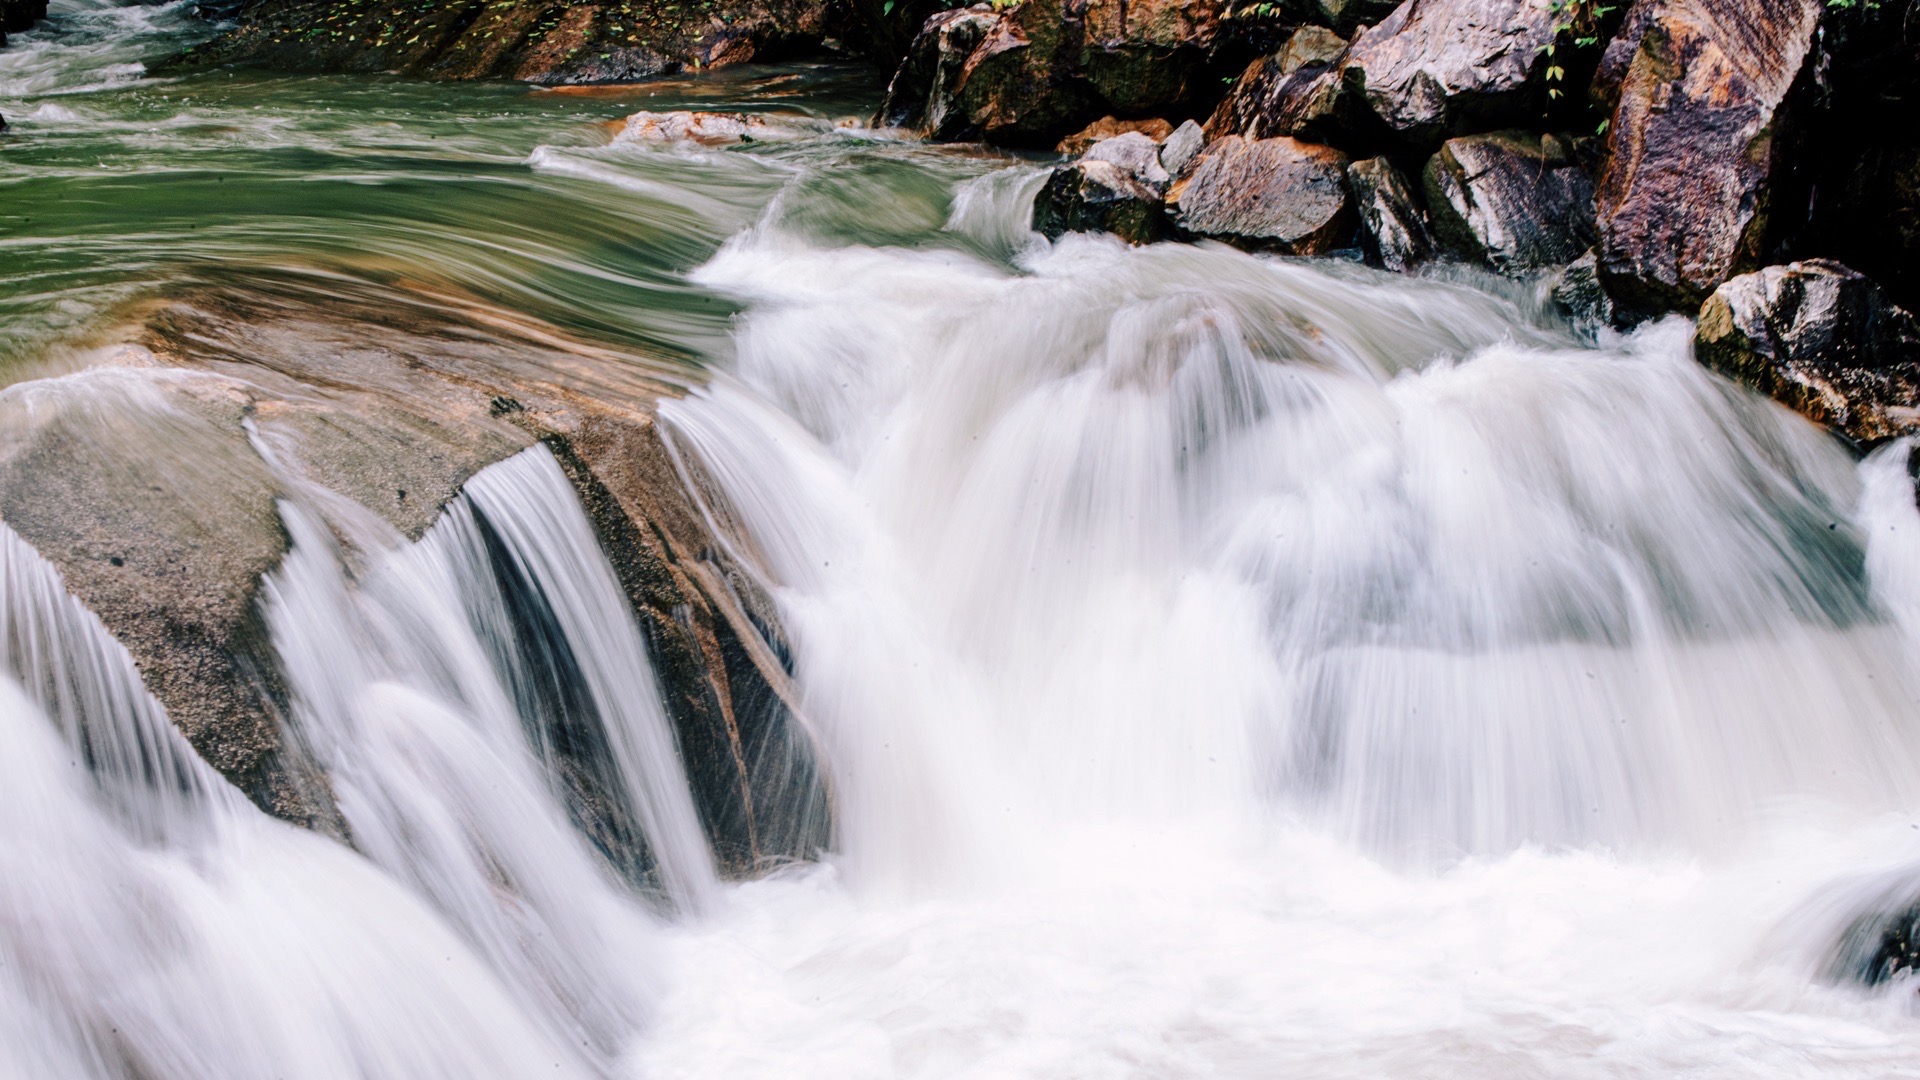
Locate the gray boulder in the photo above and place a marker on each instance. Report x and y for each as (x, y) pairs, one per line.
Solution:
(1116, 188)
(1511, 200)
(1435, 68)
(1278, 195)
(1182, 147)
(1822, 340)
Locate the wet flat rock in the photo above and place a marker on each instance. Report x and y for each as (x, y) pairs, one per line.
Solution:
(1278, 195)
(1822, 340)
(1700, 131)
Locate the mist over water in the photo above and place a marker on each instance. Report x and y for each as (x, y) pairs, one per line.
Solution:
(1227, 666)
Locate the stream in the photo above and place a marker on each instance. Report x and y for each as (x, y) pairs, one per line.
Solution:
(1227, 666)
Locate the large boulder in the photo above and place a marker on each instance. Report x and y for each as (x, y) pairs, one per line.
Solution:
(1702, 126)
(1511, 200)
(1116, 188)
(1106, 128)
(392, 401)
(1393, 231)
(1278, 195)
(1435, 68)
(1046, 68)
(1822, 340)
(515, 39)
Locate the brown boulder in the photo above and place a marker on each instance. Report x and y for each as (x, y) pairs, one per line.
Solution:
(1699, 134)
(1511, 200)
(1298, 91)
(1266, 194)
(1046, 68)
(1435, 68)
(1822, 340)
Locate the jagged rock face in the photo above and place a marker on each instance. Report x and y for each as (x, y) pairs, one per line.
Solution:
(1435, 68)
(393, 402)
(1298, 91)
(1510, 200)
(1393, 231)
(1116, 188)
(1822, 340)
(1047, 67)
(1266, 194)
(534, 40)
(923, 93)
(1704, 116)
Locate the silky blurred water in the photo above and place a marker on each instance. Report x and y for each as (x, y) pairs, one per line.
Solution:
(1228, 666)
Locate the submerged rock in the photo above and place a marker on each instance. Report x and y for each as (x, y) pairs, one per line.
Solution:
(1822, 340)
(1435, 68)
(1510, 200)
(1393, 231)
(1702, 123)
(512, 39)
(394, 401)
(1266, 194)
(1577, 292)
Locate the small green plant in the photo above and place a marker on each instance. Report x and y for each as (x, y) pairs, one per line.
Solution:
(1577, 24)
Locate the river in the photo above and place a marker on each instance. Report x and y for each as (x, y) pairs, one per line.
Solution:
(1228, 666)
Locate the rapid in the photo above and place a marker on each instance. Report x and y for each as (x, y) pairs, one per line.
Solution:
(1227, 666)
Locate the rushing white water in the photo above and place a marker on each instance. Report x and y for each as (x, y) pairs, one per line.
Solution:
(1239, 667)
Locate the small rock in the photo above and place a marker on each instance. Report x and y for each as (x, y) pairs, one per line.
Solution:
(1822, 340)
(1182, 147)
(712, 129)
(1393, 231)
(1435, 68)
(1100, 196)
(1107, 127)
(1136, 154)
(1511, 200)
(1267, 194)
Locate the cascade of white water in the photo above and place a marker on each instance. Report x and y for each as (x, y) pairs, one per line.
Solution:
(415, 681)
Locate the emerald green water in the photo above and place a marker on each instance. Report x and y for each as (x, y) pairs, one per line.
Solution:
(114, 185)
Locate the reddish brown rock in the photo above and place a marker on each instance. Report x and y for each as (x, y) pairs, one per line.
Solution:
(1703, 123)
(1822, 340)
(1266, 194)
